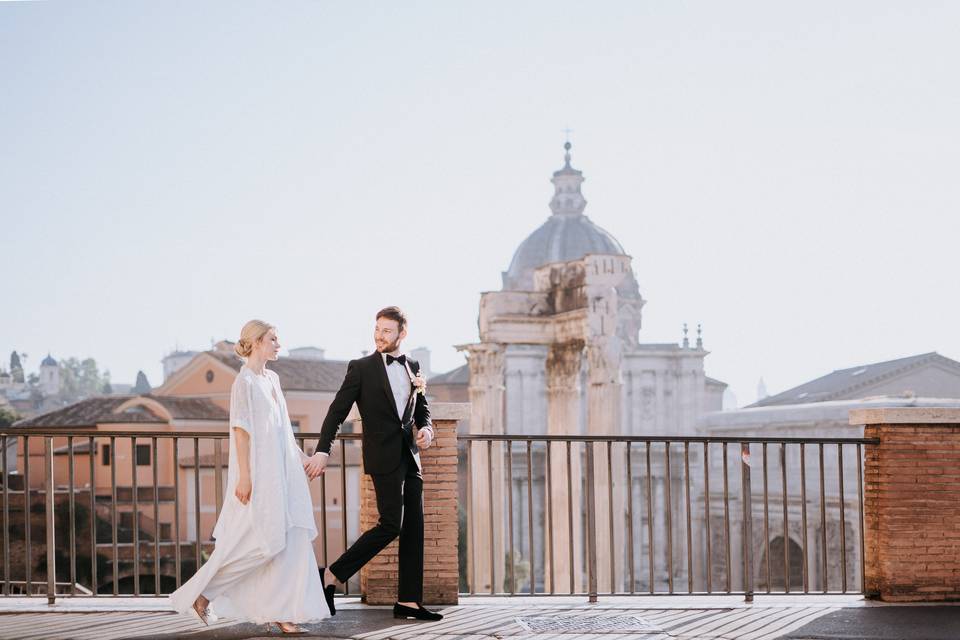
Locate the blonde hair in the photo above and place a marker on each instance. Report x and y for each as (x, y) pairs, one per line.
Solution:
(250, 335)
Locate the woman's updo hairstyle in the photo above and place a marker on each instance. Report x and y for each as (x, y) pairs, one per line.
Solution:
(250, 335)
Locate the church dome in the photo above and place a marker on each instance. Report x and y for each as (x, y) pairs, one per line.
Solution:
(48, 361)
(566, 235)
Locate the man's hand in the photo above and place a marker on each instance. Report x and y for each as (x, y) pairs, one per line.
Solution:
(315, 465)
(424, 438)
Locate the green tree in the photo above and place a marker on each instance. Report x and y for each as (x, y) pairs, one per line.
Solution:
(8, 416)
(143, 385)
(106, 388)
(79, 379)
(16, 367)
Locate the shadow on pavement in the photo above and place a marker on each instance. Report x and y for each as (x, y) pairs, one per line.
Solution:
(347, 623)
(883, 623)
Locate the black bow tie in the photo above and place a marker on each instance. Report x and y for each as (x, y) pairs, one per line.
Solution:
(401, 359)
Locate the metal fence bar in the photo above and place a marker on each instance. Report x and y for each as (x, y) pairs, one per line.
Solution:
(50, 528)
(803, 514)
(823, 527)
(28, 534)
(156, 516)
(493, 564)
(786, 530)
(569, 517)
(113, 511)
(72, 512)
(513, 559)
(706, 513)
(532, 555)
(591, 527)
(196, 501)
(471, 543)
(766, 517)
(93, 518)
(747, 521)
(686, 477)
(726, 518)
(863, 562)
(668, 504)
(343, 503)
(176, 509)
(613, 546)
(650, 522)
(135, 518)
(548, 498)
(843, 524)
(630, 520)
(6, 518)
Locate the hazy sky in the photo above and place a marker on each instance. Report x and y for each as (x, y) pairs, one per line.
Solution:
(785, 174)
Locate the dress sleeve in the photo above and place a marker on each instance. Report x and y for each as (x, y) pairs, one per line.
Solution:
(241, 415)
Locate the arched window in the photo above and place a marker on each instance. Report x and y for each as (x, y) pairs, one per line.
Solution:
(778, 566)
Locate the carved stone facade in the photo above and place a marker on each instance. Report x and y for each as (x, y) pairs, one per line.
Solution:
(565, 331)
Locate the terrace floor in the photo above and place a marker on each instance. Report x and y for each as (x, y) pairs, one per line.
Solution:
(516, 618)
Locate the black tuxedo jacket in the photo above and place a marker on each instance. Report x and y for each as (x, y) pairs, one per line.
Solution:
(385, 432)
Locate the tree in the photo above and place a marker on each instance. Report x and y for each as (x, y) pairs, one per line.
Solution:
(7, 417)
(16, 367)
(106, 388)
(143, 385)
(79, 379)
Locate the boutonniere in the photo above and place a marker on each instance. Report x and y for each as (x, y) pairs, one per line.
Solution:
(418, 381)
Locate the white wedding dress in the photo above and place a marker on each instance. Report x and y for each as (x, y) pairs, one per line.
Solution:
(263, 568)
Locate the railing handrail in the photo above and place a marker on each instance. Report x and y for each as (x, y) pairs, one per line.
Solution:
(83, 432)
(488, 437)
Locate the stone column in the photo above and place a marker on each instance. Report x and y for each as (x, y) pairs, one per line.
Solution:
(604, 397)
(563, 412)
(378, 579)
(911, 503)
(486, 562)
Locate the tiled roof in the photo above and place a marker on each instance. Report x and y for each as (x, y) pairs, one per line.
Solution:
(842, 382)
(88, 413)
(94, 411)
(460, 375)
(297, 374)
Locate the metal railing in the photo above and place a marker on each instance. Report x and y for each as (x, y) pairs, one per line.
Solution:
(87, 550)
(658, 515)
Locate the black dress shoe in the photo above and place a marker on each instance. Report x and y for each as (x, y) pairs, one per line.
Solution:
(328, 591)
(420, 613)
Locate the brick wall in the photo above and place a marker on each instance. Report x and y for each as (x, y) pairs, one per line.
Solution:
(378, 579)
(912, 504)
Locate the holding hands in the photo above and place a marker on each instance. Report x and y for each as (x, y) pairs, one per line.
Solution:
(315, 465)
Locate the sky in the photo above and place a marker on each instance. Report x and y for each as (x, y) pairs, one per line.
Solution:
(783, 173)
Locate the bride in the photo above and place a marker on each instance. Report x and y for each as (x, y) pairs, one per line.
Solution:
(263, 568)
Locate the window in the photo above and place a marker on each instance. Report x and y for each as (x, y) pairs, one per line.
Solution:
(105, 451)
(209, 375)
(143, 455)
(296, 425)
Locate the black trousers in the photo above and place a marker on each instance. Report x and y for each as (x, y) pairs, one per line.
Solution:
(400, 506)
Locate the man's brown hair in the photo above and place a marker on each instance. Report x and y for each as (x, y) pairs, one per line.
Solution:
(393, 313)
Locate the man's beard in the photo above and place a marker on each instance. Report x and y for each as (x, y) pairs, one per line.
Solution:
(390, 348)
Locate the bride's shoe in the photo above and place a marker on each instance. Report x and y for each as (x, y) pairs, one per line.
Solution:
(289, 629)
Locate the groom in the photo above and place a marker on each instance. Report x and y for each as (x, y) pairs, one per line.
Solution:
(387, 388)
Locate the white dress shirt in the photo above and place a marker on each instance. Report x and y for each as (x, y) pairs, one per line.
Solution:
(399, 383)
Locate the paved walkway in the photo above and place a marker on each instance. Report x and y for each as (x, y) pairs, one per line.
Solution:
(482, 618)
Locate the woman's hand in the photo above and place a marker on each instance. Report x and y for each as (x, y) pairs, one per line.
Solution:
(243, 490)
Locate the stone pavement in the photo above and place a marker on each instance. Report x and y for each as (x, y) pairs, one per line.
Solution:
(482, 618)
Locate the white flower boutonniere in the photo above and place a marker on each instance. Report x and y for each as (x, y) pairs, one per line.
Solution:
(420, 383)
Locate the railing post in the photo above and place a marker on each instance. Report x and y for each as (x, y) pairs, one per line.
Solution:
(51, 549)
(747, 522)
(591, 527)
